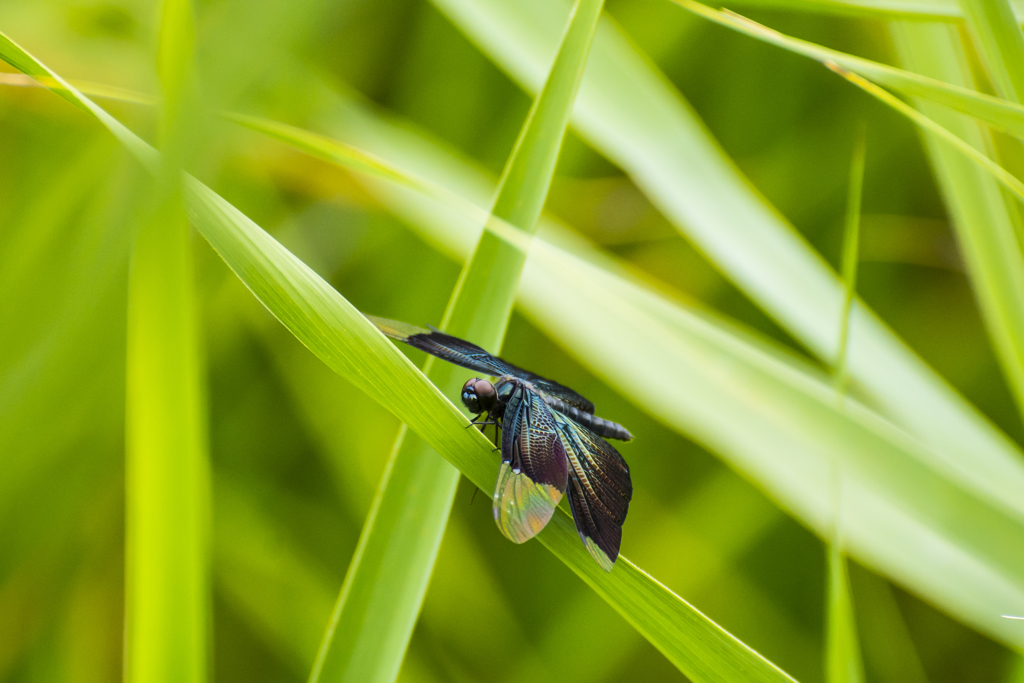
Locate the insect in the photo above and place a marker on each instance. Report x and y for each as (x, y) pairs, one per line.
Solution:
(551, 444)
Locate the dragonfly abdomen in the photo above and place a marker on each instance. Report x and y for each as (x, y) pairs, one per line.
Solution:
(598, 425)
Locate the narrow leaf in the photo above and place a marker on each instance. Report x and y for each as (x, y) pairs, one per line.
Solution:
(167, 473)
(842, 651)
(1000, 174)
(1004, 114)
(918, 10)
(842, 655)
(387, 579)
(998, 36)
(851, 249)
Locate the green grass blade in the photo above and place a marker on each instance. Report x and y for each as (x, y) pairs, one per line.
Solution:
(999, 38)
(628, 112)
(373, 621)
(918, 10)
(166, 515)
(851, 249)
(983, 220)
(1007, 115)
(167, 473)
(978, 159)
(90, 88)
(349, 344)
(842, 651)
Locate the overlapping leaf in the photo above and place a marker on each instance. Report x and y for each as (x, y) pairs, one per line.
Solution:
(705, 410)
(999, 112)
(340, 336)
(167, 470)
(380, 600)
(984, 224)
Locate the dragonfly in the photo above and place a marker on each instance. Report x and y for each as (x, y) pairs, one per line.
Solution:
(552, 445)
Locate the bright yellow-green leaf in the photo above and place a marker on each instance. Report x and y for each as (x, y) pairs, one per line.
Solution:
(851, 250)
(167, 512)
(991, 23)
(842, 650)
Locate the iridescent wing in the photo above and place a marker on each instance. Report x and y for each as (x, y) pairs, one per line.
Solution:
(534, 468)
(468, 355)
(599, 489)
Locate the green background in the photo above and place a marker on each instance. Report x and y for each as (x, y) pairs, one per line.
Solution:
(297, 453)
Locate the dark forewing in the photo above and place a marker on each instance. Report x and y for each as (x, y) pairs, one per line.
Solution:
(599, 490)
(534, 468)
(560, 392)
(468, 355)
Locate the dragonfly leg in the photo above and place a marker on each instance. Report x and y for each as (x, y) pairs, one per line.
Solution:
(483, 424)
(497, 428)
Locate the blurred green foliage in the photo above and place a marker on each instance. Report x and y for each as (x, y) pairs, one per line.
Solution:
(297, 452)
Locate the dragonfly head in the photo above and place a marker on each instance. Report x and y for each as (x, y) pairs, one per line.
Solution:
(478, 395)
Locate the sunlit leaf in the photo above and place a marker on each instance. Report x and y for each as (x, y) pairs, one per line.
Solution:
(167, 472)
(999, 37)
(940, 10)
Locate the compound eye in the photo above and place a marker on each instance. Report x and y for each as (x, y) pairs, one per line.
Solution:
(469, 396)
(485, 394)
